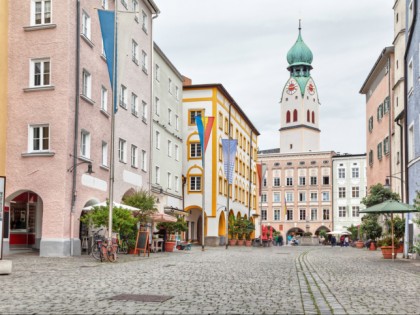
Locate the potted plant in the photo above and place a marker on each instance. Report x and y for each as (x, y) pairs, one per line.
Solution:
(240, 228)
(371, 228)
(399, 230)
(323, 235)
(171, 228)
(386, 247)
(249, 227)
(232, 229)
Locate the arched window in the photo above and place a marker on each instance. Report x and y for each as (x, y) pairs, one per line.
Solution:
(313, 117)
(308, 116)
(295, 115)
(288, 116)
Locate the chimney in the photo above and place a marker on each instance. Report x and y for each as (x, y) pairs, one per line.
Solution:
(186, 81)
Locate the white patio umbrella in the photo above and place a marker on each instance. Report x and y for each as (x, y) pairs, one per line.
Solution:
(339, 233)
(115, 205)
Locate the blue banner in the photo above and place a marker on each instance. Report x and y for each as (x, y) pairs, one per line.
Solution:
(200, 127)
(229, 153)
(107, 20)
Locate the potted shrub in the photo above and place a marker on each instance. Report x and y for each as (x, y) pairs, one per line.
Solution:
(399, 230)
(232, 229)
(240, 228)
(249, 228)
(386, 247)
(371, 228)
(171, 228)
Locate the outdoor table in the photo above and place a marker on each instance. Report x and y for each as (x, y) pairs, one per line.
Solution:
(157, 244)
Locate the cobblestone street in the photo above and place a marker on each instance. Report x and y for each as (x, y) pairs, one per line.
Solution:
(275, 280)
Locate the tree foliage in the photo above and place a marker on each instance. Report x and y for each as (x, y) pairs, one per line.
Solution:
(377, 194)
(172, 227)
(143, 200)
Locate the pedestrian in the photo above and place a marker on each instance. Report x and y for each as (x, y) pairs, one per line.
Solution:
(289, 239)
(346, 241)
(333, 241)
(341, 240)
(281, 240)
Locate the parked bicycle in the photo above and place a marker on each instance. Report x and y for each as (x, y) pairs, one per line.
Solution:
(122, 241)
(102, 250)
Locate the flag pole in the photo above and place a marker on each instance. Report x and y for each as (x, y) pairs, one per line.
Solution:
(203, 152)
(114, 103)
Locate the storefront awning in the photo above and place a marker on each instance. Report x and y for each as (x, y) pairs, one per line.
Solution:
(175, 211)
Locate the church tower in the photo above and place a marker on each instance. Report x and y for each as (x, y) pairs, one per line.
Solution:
(299, 127)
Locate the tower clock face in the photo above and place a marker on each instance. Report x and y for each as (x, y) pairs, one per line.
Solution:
(291, 87)
(311, 89)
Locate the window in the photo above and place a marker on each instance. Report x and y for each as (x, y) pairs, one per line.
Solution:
(276, 215)
(39, 138)
(326, 214)
(124, 3)
(104, 157)
(169, 176)
(169, 116)
(226, 125)
(314, 214)
(386, 105)
(325, 180)
(134, 105)
(135, 5)
(264, 198)
(85, 144)
(157, 106)
(157, 72)
(355, 211)
(85, 25)
(192, 114)
(302, 181)
(410, 13)
(144, 22)
(144, 61)
(341, 173)
(325, 196)
(135, 52)
(276, 181)
(264, 214)
(195, 150)
(41, 12)
(195, 183)
(40, 72)
(380, 112)
(355, 172)
(157, 140)
(289, 181)
(104, 99)
(122, 150)
(169, 148)
(176, 122)
(264, 182)
(314, 180)
(341, 212)
(370, 123)
(302, 214)
(295, 115)
(289, 196)
(123, 97)
(170, 86)
(144, 111)
(289, 215)
(341, 192)
(143, 160)
(302, 196)
(314, 196)
(288, 117)
(87, 84)
(176, 93)
(370, 157)
(176, 152)
(410, 77)
(134, 156)
(176, 183)
(157, 175)
(411, 143)
(355, 192)
(386, 146)
(276, 197)
(379, 148)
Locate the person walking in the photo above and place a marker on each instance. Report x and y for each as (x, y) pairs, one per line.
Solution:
(333, 241)
(346, 241)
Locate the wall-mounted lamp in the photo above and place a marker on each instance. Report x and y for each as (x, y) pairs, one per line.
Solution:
(89, 170)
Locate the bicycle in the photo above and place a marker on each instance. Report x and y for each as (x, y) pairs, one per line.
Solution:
(103, 250)
(122, 244)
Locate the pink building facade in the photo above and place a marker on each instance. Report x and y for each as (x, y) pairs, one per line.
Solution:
(59, 104)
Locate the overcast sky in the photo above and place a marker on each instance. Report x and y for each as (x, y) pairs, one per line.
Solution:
(242, 44)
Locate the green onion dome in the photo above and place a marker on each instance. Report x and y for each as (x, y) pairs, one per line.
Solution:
(299, 54)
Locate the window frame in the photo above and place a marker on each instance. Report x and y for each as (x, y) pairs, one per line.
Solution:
(33, 20)
(85, 143)
(41, 138)
(42, 73)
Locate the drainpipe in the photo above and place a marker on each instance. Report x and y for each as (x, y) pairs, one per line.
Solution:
(390, 111)
(250, 178)
(408, 43)
(76, 129)
(401, 159)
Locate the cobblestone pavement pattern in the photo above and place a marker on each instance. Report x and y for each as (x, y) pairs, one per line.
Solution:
(275, 280)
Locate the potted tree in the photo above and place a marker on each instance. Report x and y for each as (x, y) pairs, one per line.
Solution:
(233, 230)
(371, 228)
(171, 228)
(399, 230)
(386, 247)
(249, 228)
(240, 229)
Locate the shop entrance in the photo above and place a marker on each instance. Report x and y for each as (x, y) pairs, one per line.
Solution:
(23, 220)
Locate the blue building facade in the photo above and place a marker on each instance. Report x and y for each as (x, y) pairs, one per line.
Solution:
(412, 64)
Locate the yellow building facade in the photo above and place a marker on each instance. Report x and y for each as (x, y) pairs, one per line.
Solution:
(229, 121)
(3, 83)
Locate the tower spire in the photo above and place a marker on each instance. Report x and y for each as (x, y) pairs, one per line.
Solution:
(299, 25)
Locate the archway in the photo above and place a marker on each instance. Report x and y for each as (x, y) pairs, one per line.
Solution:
(222, 224)
(23, 220)
(322, 227)
(253, 232)
(294, 232)
(199, 228)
